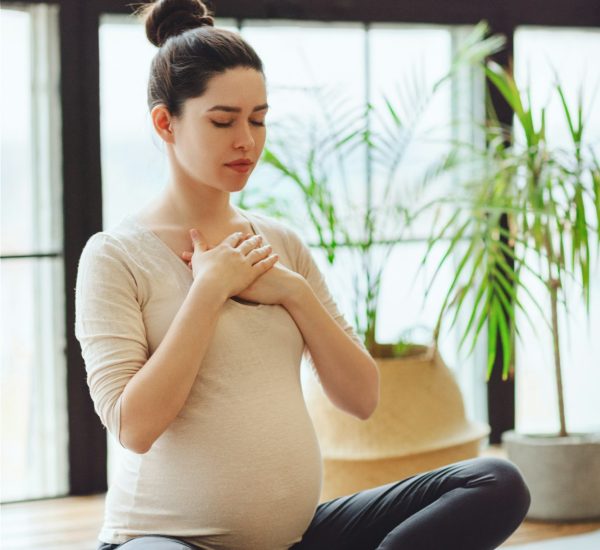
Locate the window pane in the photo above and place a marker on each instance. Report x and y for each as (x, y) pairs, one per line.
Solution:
(30, 150)
(16, 149)
(573, 55)
(406, 61)
(34, 425)
(33, 371)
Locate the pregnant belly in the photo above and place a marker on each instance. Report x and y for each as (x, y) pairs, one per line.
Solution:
(254, 476)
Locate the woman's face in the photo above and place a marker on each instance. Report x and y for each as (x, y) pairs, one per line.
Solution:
(224, 125)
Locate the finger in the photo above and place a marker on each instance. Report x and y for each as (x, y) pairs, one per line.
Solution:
(233, 239)
(245, 237)
(198, 240)
(250, 243)
(260, 253)
(186, 255)
(267, 263)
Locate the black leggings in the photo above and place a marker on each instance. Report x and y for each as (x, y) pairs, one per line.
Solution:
(474, 504)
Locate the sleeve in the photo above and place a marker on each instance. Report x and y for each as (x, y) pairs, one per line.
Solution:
(108, 325)
(306, 266)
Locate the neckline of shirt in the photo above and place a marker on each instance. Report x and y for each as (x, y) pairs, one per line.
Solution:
(147, 229)
(182, 263)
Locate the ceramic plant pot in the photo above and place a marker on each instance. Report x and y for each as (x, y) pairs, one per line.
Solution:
(563, 474)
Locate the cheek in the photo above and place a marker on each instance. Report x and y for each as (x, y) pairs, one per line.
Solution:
(261, 138)
(195, 151)
(200, 144)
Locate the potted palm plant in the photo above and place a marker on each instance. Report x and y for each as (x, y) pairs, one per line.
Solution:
(528, 214)
(420, 422)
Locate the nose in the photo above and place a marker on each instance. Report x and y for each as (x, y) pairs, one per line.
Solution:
(244, 139)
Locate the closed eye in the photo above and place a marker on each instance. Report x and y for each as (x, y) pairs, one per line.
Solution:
(227, 124)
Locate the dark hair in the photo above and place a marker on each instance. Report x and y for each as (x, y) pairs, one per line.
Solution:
(191, 51)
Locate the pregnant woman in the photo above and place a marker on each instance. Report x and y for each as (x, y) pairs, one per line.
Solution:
(193, 317)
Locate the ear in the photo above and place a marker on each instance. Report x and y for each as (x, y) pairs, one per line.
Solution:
(162, 122)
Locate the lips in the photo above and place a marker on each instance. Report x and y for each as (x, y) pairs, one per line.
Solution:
(240, 168)
(240, 162)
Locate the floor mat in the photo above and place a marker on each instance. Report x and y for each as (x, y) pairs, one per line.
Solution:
(587, 541)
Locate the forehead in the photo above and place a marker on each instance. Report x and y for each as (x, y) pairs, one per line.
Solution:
(240, 87)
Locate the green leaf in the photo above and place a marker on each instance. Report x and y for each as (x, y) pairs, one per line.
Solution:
(484, 315)
(567, 113)
(512, 293)
(492, 335)
(468, 285)
(453, 242)
(431, 242)
(507, 344)
(392, 111)
(505, 84)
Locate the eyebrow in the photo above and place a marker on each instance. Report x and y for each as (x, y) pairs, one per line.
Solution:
(230, 109)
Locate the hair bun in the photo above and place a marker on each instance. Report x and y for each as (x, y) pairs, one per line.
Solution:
(166, 18)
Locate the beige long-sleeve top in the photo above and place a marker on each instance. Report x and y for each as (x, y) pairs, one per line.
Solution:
(240, 466)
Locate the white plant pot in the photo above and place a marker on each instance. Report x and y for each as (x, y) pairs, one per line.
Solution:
(563, 473)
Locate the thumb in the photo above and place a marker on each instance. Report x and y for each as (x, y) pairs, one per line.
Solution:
(198, 240)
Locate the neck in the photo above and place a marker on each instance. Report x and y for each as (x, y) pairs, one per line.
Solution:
(192, 203)
(196, 207)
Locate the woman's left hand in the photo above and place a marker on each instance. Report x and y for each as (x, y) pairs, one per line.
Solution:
(272, 287)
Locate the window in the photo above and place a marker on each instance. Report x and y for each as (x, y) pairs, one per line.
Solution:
(34, 419)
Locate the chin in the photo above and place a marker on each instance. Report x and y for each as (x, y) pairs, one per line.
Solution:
(238, 185)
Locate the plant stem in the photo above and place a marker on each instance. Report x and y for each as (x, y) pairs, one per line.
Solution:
(553, 285)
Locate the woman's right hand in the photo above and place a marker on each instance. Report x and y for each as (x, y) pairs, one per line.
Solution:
(235, 263)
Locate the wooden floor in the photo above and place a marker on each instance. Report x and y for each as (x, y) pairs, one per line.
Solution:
(72, 523)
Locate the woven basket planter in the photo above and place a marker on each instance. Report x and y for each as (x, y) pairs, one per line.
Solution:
(419, 425)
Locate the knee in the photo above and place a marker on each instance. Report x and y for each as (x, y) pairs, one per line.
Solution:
(508, 484)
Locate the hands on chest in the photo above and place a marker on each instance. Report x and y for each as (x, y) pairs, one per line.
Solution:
(245, 265)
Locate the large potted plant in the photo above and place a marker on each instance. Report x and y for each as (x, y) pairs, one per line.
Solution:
(528, 214)
(420, 422)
